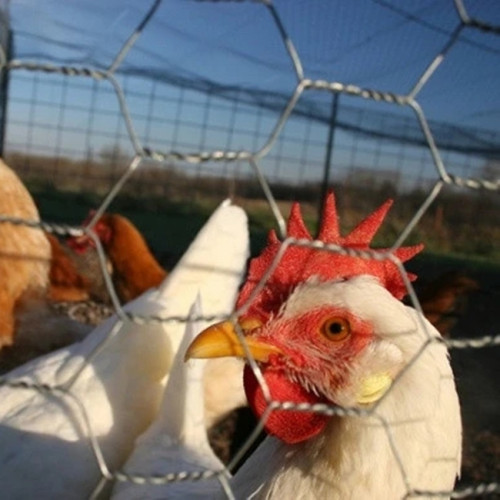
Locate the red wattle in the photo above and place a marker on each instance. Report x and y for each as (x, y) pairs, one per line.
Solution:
(289, 426)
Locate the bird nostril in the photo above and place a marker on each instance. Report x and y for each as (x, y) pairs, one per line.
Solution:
(249, 324)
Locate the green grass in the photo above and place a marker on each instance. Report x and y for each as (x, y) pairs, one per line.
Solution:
(170, 227)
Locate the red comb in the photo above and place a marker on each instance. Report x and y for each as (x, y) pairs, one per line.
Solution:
(80, 244)
(298, 263)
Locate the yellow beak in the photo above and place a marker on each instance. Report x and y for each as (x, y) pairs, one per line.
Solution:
(221, 340)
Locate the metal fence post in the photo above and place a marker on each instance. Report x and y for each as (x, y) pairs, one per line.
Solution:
(6, 47)
(329, 149)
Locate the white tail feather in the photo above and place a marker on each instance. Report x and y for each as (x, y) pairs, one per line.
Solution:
(177, 441)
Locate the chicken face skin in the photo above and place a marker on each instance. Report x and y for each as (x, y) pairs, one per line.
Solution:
(102, 229)
(317, 348)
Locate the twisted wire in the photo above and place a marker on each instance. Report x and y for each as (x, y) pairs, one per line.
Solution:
(304, 84)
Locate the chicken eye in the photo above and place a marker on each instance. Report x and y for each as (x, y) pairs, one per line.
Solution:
(336, 329)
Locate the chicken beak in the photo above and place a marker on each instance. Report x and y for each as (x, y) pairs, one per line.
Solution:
(221, 340)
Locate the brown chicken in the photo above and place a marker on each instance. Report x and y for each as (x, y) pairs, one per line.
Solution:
(60, 315)
(66, 283)
(134, 268)
(24, 252)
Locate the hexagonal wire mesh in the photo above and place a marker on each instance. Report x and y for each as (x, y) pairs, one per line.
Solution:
(254, 157)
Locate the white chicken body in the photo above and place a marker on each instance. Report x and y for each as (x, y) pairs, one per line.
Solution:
(412, 441)
(46, 448)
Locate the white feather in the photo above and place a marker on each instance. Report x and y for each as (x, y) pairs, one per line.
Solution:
(120, 371)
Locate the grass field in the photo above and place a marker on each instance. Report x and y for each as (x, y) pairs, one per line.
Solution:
(170, 227)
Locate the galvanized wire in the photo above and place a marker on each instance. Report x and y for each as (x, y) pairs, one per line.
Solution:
(304, 84)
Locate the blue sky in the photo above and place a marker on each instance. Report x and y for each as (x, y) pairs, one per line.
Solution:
(364, 42)
(380, 44)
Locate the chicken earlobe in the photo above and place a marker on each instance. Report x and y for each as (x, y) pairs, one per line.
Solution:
(373, 388)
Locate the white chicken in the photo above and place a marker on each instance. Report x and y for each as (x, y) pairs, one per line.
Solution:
(177, 440)
(107, 389)
(329, 329)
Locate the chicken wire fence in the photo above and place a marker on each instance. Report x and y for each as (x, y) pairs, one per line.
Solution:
(254, 158)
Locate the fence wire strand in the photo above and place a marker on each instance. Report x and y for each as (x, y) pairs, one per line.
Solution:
(304, 84)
